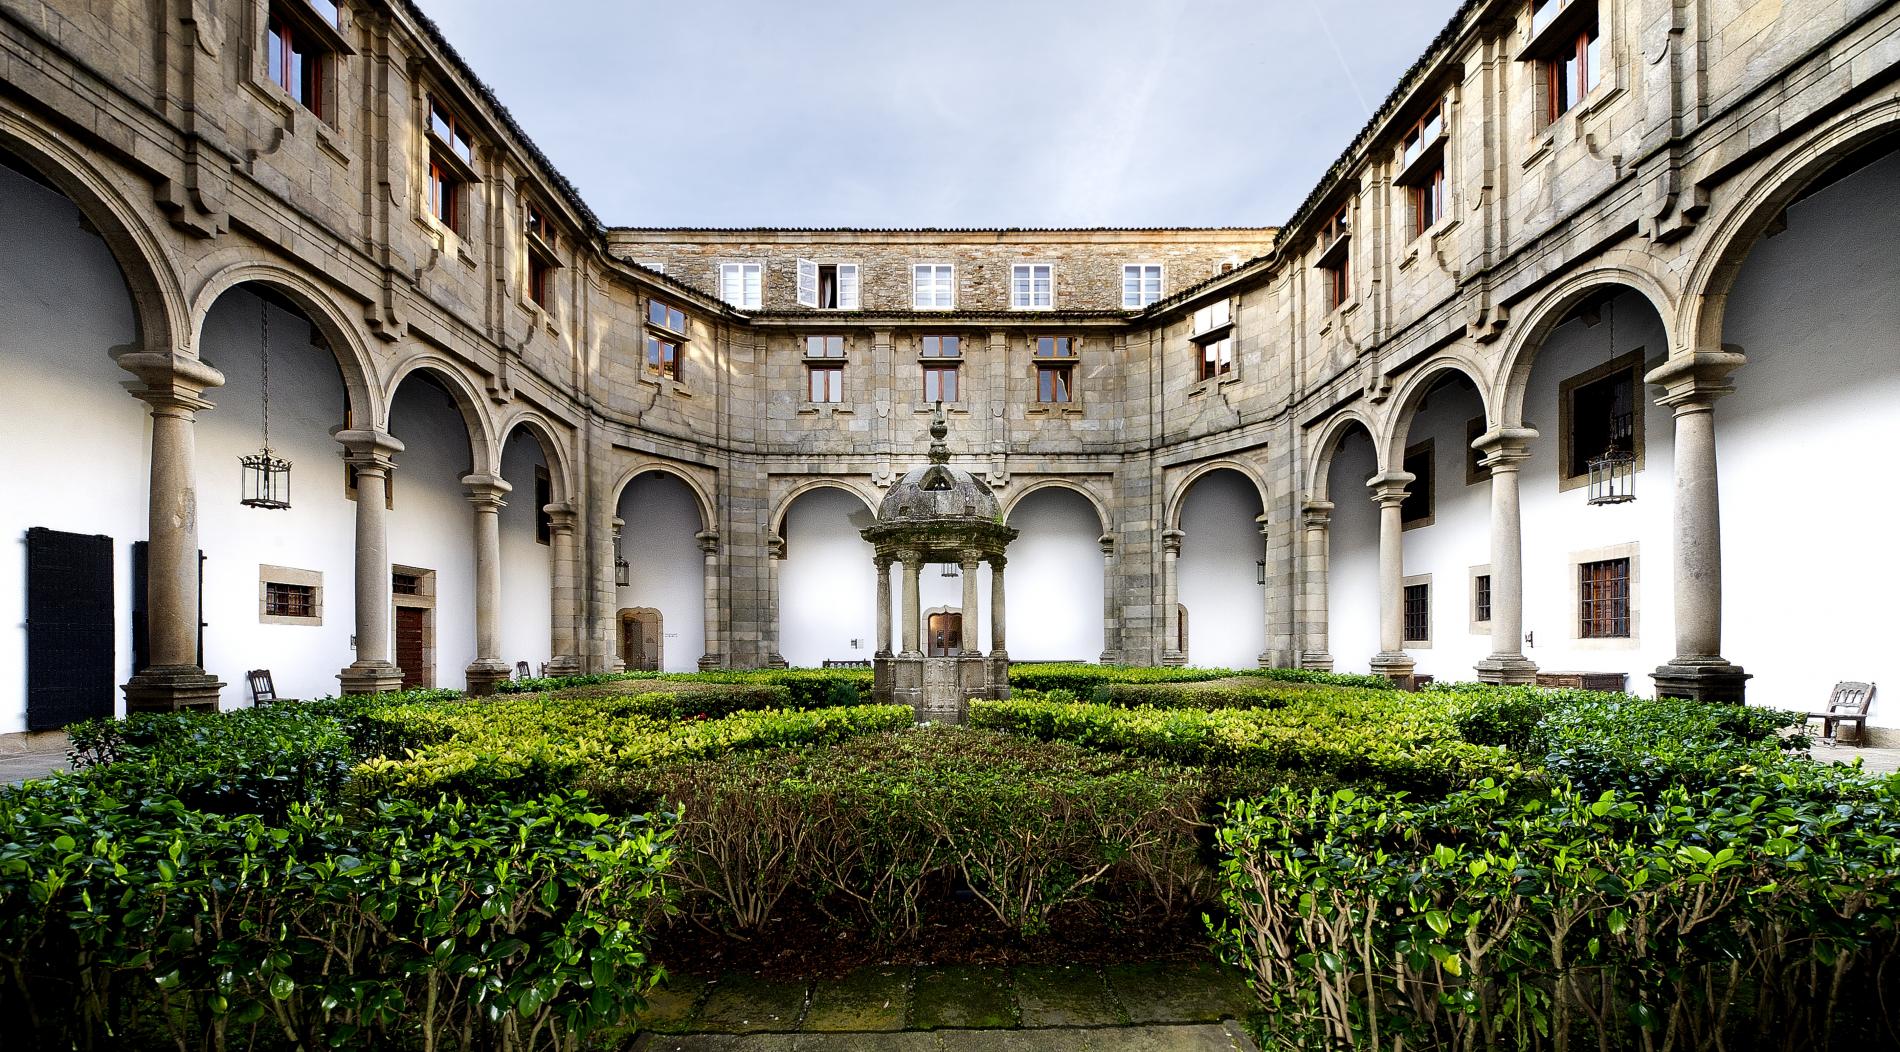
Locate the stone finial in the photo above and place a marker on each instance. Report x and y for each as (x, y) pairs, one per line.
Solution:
(939, 430)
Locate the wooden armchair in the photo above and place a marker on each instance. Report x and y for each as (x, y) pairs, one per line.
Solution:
(263, 691)
(1847, 704)
(521, 670)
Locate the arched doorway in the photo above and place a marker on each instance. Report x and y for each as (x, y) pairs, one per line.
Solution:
(661, 518)
(1054, 577)
(642, 639)
(827, 590)
(1220, 569)
(431, 542)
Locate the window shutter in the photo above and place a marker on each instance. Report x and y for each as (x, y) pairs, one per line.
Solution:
(807, 283)
(729, 283)
(848, 286)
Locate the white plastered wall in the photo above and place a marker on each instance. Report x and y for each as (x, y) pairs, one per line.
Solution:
(432, 526)
(827, 586)
(1218, 573)
(76, 445)
(1053, 580)
(1804, 446)
(665, 566)
(1458, 538)
(1352, 601)
(526, 563)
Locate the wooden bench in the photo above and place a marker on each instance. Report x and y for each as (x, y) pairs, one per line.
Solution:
(1613, 682)
(1848, 703)
(263, 691)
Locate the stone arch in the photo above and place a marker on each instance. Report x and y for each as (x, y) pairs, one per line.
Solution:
(484, 451)
(367, 404)
(784, 504)
(1624, 269)
(1101, 510)
(553, 450)
(1411, 394)
(702, 497)
(1178, 498)
(1773, 187)
(158, 299)
(1331, 434)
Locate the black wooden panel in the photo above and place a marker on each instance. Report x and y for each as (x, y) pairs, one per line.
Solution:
(69, 628)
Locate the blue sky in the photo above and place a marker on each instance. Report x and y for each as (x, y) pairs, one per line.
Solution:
(977, 113)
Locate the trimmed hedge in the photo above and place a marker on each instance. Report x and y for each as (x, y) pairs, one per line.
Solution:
(810, 688)
(1259, 695)
(133, 920)
(1081, 679)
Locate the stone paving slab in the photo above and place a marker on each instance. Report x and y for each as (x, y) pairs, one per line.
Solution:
(956, 996)
(1178, 993)
(740, 1003)
(1194, 1037)
(867, 999)
(1065, 995)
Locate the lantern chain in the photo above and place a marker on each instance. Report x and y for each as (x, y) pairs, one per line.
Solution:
(266, 356)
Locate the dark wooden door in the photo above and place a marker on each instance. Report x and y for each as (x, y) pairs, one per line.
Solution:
(411, 623)
(69, 628)
(640, 641)
(946, 635)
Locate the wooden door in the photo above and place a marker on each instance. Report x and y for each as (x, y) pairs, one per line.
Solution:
(411, 624)
(946, 635)
(640, 640)
(69, 628)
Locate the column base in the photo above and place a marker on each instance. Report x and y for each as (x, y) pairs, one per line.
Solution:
(171, 688)
(776, 660)
(1511, 670)
(1272, 659)
(565, 665)
(485, 676)
(1173, 658)
(1395, 665)
(1701, 679)
(709, 662)
(1109, 657)
(1316, 660)
(370, 677)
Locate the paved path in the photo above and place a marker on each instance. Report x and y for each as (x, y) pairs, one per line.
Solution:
(1119, 1008)
(24, 756)
(1875, 761)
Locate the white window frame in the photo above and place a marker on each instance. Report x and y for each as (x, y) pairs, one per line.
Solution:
(1029, 302)
(1141, 280)
(742, 268)
(946, 292)
(847, 274)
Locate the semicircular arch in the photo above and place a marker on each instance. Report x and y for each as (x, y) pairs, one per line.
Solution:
(345, 344)
(702, 494)
(553, 450)
(484, 458)
(1066, 485)
(784, 503)
(1552, 307)
(1331, 433)
(1177, 500)
(1410, 396)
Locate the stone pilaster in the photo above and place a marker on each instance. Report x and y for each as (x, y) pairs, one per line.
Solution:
(372, 454)
(486, 494)
(1172, 653)
(1111, 622)
(775, 559)
(564, 592)
(709, 549)
(1692, 384)
(1388, 492)
(1266, 658)
(1316, 521)
(173, 386)
(1505, 449)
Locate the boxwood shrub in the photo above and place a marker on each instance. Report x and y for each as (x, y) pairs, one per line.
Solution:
(1080, 678)
(809, 688)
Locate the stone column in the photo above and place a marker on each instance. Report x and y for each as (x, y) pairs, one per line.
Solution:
(1316, 522)
(913, 610)
(372, 454)
(883, 606)
(564, 592)
(999, 620)
(485, 493)
(1111, 625)
(1265, 660)
(1388, 491)
(774, 556)
(1692, 384)
(1504, 450)
(969, 564)
(709, 546)
(1171, 650)
(173, 386)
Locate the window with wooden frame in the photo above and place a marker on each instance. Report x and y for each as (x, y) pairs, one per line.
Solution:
(1418, 508)
(940, 383)
(1335, 259)
(827, 286)
(289, 596)
(1565, 39)
(933, 286)
(1032, 286)
(1595, 410)
(824, 383)
(1428, 199)
(1481, 598)
(1141, 285)
(1603, 596)
(300, 46)
(451, 164)
(940, 347)
(742, 284)
(830, 346)
(1211, 333)
(1056, 358)
(1422, 168)
(289, 600)
(1418, 613)
(666, 337)
(538, 232)
(543, 496)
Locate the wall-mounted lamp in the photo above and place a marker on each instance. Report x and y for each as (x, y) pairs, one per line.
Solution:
(1260, 571)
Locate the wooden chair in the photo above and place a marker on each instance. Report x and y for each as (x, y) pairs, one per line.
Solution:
(263, 691)
(1848, 704)
(521, 670)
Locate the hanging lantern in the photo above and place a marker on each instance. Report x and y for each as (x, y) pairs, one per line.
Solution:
(623, 571)
(1613, 475)
(949, 569)
(266, 482)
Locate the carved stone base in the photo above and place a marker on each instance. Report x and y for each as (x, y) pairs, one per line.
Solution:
(1317, 660)
(169, 688)
(776, 660)
(485, 676)
(708, 662)
(1701, 679)
(370, 677)
(570, 665)
(1173, 657)
(1507, 670)
(1395, 665)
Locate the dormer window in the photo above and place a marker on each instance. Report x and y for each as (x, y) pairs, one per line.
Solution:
(827, 286)
(1335, 258)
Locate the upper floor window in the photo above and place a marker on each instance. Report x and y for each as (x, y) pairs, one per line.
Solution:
(296, 58)
(933, 286)
(824, 383)
(940, 347)
(940, 383)
(1422, 168)
(827, 286)
(1141, 284)
(666, 337)
(451, 159)
(1056, 358)
(1565, 38)
(450, 131)
(824, 347)
(1335, 258)
(445, 195)
(742, 284)
(666, 316)
(1213, 339)
(329, 11)
(542, 262)
(1032, 286)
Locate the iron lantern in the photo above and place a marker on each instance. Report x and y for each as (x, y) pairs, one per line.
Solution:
(623, 571)
(1613, 476)
(266, 480)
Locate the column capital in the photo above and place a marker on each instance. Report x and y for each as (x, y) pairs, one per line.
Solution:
(1390, 487)
(1171, 541)
(708, 541)
(1504, 448)
(1316, 514)
(1107, 541)
(1692, 382)
(364, 448)
(562, 518)
(910, 557)
(170, 381)
(774, 546)
(486, 491)
(997, 561)
(968, 558)
(1265, 525)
